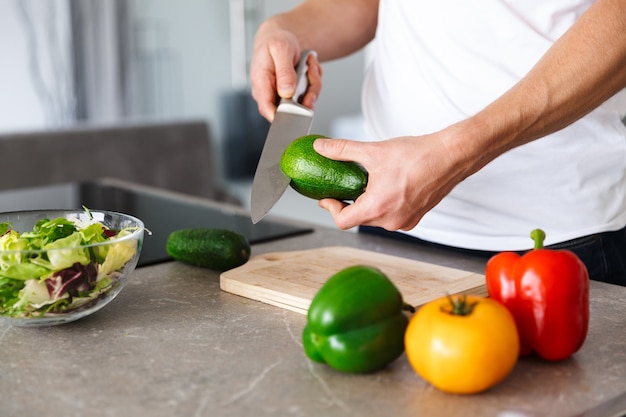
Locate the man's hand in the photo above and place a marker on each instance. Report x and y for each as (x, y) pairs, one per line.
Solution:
(273, 74)
(408, 176)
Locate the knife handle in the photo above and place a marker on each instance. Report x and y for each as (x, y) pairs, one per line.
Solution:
(302, 68)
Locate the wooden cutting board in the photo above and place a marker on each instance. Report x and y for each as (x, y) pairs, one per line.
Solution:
(291, 279)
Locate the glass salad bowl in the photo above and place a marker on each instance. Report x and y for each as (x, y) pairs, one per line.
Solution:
(57, 266)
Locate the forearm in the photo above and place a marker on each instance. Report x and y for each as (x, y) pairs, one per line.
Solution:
(333, 28)
(584, 68)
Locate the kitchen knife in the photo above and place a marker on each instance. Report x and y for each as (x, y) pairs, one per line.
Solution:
(291, 121)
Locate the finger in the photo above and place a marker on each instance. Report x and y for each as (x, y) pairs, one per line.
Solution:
(271, 73)
(263, 82)
(265, 97)
(314, 75)
(334, 207)
(346, 216)
(285, 59)
(343, 149)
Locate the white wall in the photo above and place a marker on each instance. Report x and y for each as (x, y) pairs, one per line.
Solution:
(188, 45)
(194, 37)
(35, 74)
(181, 57)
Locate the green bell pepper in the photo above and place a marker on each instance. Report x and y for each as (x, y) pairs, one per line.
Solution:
(356, 322)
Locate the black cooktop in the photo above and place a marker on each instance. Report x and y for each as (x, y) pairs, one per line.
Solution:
(162, 212)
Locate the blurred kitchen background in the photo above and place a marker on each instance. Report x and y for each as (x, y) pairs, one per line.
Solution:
(68, 63)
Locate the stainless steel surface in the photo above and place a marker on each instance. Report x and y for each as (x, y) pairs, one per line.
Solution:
(291, 121)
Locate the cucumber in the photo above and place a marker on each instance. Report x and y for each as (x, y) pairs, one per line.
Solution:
(317, 177)
(217, 249)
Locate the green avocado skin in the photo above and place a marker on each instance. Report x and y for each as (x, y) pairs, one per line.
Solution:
(317, 177)
(217, 249)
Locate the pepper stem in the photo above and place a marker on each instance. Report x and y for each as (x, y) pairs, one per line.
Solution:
(538, 237)
(459, 306)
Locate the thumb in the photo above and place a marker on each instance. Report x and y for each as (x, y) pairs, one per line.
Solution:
(285, 75)
(339, 149)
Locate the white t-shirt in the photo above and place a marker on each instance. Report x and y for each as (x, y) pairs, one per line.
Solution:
(437, 62)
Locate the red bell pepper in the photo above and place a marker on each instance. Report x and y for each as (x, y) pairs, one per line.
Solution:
(547, 292)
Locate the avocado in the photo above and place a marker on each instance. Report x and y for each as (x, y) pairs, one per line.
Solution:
(217, 249)
(317, 177)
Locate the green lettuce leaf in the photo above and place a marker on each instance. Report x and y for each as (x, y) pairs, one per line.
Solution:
(119, 254)
(34, 295)
(24, 271)
(64, 252)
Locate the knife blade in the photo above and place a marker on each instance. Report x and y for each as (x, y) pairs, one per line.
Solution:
(291, 121)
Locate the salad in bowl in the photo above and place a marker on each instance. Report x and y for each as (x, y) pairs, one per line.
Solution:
(57, 266)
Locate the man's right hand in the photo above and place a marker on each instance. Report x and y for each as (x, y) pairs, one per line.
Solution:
(272, 70)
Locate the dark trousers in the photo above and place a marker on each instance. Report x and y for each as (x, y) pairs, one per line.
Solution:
(604, 254)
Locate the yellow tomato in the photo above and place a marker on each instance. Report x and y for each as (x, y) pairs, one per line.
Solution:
(462, 353)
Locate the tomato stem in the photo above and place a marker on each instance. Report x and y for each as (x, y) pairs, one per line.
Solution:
(459, 306)
(538, 237)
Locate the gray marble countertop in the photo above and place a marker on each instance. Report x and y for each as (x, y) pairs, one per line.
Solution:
(173, 344)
